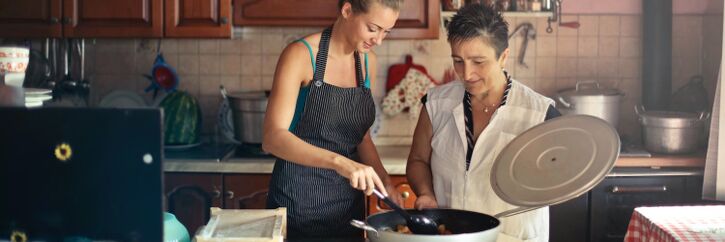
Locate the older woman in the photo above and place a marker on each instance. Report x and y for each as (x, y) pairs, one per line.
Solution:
(465, 124)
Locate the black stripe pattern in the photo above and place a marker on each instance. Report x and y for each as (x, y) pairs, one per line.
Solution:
(468, 117)
(320, 203)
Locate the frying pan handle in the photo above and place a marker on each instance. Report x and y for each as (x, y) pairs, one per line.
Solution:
(364, 226)
(514, 211)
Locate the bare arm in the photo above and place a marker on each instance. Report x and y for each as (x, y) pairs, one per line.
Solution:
(418, 168)
(292, 69)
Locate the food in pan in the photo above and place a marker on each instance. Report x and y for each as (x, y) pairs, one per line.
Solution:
(402, 228)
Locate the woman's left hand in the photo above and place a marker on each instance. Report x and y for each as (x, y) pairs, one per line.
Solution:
(394, 194)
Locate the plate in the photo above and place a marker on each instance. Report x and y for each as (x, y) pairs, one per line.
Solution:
(181, 147)
(33, 104)
(122, 99)
(36, 91)
(555, 161)
(37, 98)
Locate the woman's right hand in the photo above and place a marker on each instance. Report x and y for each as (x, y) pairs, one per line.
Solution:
(426, 201)
(362, 177)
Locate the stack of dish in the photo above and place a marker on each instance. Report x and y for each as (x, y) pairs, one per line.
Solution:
(34, 97)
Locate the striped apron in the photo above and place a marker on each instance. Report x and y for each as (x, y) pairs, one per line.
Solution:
(320, 203)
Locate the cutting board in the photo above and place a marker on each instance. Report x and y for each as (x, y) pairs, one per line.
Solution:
(397, 72)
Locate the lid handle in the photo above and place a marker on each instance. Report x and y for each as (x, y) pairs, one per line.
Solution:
(563, 101)
(585, 83)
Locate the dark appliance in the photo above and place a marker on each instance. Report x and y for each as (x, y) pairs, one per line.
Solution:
(81, 174)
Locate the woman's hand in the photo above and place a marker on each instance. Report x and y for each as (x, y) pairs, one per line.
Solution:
(394, 195)
(426, 201)
(362, 177)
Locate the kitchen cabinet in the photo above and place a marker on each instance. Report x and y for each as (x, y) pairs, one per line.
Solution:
(190, 195)
(376, 205)
(115, 18)
(603, 213)
(419, 19)
(198, 18)
(246, 191)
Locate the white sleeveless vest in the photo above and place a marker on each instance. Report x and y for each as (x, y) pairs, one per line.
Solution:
(471, 190)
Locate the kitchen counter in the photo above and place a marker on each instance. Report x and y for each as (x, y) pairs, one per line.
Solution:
(394, 159)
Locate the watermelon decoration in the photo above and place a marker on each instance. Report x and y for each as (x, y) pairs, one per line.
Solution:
(182, 119)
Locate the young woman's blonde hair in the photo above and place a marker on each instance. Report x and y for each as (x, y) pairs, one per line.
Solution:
(362, 6)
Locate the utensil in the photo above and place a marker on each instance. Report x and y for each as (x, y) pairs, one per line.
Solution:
(418, 224)
(364, 226)
(248, 111)
(671, 132)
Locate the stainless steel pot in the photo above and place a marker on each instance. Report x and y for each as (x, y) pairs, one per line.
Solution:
(248, 110)
(589, 98)
(465, 226)
(671, 132)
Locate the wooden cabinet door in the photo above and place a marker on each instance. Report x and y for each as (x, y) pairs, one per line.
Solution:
(246, 191)
(30, 18)
(419, 19)
(103, 18)
(199, 18)
(376, 205)
(190, 195)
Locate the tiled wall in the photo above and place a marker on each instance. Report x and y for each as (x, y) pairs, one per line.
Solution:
(606, 48)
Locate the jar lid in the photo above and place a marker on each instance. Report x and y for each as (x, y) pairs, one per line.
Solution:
(589, 88)
(555, 161)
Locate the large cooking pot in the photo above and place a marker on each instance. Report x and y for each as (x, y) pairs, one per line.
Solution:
(248, 110)
(671, 132)
(589, 98)
(465, 226)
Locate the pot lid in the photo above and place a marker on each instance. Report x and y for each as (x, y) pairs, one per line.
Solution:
(555, 161)
(589, 88)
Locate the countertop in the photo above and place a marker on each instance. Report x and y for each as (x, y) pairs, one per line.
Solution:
(395, 157)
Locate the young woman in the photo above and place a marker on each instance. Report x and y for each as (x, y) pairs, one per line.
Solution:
(465, 124)
(318, 120)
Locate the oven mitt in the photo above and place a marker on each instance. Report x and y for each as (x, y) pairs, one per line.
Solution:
(407, 94)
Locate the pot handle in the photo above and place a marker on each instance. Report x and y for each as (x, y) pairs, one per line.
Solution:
(578, 83)
(364, 226)
(639, 110)
(704, 116)
(563, 101)
(515, 211)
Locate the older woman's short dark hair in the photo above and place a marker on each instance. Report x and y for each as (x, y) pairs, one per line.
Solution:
(479, 21)
(362, 6)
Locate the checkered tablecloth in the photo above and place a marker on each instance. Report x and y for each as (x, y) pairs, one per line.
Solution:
(677, 223)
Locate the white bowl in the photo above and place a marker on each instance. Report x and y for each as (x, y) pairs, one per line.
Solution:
(15, 52)
(15, 79)
(14, 59)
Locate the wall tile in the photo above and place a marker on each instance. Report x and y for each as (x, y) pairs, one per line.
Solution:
(588, 46)
(546, 46)
(542, 24)
(399, 47)
(546, 86)
(609, 25)
(630, 68)
(232, 83)
(190, 84)
(608, 67)
(566, 67)
(188, 64)
(209, 86)
(188, 46)
(251, 65)
(267, 82)
(230, 46)
(209, 46)
(608, 46)
(526, 70)
(169, 46)
(546, 67)
(589, 25)
(252, 43)
(272, 43)
(230, 64)
(269, 63)
(252, 83)
(631, 25)
(209, 64)
(687, 25)
(586, 68)
(567, 47)
(630, 47)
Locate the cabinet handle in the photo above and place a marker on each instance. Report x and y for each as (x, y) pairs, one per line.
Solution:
(216, 193)
(618, 189)
(223, 20)
(230, 195)
(54, 20)
(405, 194)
